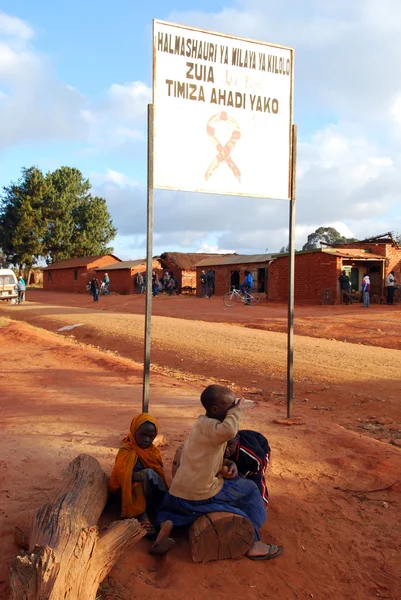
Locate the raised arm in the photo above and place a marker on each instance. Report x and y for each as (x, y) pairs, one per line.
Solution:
(217, 432)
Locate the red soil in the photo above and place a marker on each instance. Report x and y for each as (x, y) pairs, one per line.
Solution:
(61, 397)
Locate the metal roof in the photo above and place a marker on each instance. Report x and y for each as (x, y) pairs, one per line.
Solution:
(351, 253)
(73, 263)
(124, 264)
(237, 259)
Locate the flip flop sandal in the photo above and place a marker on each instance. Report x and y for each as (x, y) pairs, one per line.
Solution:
(274, 552)
(162, 548)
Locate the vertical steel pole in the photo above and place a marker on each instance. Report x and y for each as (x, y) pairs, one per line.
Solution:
(291, 279)
(149, 252)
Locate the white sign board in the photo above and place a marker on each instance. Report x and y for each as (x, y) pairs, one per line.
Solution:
(223, 113)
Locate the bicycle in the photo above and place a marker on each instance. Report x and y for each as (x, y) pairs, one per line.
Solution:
(230, 299)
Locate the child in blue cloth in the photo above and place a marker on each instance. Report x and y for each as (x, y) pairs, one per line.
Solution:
(207, 482)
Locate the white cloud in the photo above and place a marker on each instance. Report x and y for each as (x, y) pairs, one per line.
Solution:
(14, 27)
(213, 249)
(129, 101)
(118, 121)
(113, 177)
(34, 105)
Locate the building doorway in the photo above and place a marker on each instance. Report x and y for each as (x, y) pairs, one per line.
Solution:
(262, 280)
(376, 285)
(234, 280)
(354, 279)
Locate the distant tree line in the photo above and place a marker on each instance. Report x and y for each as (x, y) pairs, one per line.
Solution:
(52, 216)
(327, 235)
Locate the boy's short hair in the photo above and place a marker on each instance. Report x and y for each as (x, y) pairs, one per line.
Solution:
(212, 394)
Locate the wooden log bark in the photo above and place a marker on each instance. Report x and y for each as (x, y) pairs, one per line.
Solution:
(220, 535)
(67, 556)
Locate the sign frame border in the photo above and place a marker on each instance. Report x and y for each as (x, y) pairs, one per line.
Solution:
(242, 39)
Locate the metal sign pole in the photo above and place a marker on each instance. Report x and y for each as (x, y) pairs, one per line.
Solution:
(291, 279)
(149, 252)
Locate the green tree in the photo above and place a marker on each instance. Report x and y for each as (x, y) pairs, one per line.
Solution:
(328, 235)
(78, 224)
(22, 223)
(53, 217)
(3, 261)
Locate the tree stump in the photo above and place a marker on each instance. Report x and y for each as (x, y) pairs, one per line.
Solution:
(67, 556)
(220, 535)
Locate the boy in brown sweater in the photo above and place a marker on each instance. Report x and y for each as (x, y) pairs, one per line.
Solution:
(206, 482)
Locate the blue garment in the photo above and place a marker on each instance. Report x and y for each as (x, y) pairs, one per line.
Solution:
(155, 489)
(248, 281)
(239, 496)
(366, 299)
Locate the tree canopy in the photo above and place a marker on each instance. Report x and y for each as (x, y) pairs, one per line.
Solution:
(51, 217)
(328, 235)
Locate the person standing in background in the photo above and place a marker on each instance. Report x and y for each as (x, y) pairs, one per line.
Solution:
(155, 284)
(390, 281)
(365, 289)
(21, 290)
(345, 286)
(210, 283)
(106, 281)
(203, 283)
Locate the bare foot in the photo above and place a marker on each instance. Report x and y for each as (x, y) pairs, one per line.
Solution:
(163, 542)
(261, 551)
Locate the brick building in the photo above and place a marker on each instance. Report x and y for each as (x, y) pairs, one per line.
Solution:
(73, 274)
(182, 265)
(122, 274)
(229, 271)
(317, 271)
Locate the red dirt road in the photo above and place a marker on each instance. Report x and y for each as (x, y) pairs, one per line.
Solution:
(380, 325)
(62, 398)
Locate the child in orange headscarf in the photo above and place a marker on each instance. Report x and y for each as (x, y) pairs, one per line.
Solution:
(138, 472)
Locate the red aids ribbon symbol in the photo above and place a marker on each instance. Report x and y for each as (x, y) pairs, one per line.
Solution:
(223, 151)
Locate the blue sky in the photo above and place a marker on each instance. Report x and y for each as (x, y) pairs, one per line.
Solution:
(75, 80)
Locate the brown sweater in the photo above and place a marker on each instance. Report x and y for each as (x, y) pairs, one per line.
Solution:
(202, 457)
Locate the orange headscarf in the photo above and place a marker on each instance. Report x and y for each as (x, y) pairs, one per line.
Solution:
(133, 497)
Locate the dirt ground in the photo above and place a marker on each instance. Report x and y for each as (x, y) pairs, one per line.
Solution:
(378, 326)
(64, 395)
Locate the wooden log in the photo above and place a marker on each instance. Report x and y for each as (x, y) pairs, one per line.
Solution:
(220, 535)
(67, 556)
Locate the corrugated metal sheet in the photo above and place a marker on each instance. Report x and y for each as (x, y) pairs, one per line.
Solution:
(73, 263)
(124, 264)
(238, 259)
(352, 253)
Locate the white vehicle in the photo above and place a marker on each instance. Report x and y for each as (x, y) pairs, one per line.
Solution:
(8, 285)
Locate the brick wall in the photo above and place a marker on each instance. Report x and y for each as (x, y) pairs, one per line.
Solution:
(222, 276)
(316, 278)
(63, 280)
(122, 281)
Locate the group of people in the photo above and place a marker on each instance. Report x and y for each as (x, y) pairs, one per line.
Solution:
(345, 286)
(168, 283)
(221, 469)
(97, 288)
